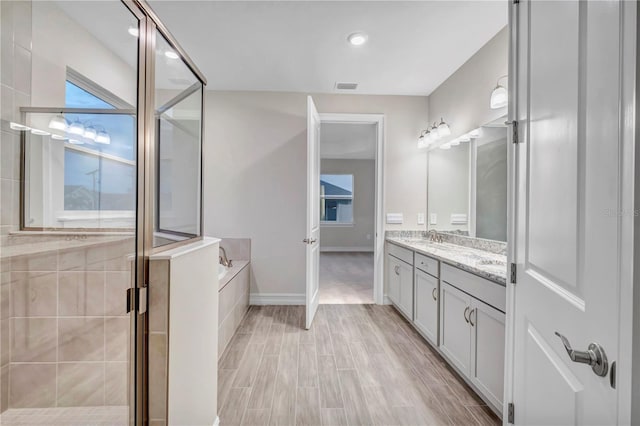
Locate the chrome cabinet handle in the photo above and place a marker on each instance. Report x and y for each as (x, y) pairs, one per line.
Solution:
(473, 311)
(433, 293)
(397, 269)
(465, 314)
(593, 356)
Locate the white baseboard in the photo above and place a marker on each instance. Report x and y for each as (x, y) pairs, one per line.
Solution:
(387, 301)
(217, 422)
(347, 249)
(277, 299)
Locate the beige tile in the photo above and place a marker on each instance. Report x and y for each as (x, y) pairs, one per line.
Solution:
(248, 366)
(5, 296)
(8, 202)
(233, 410)
(81, 339)
(33, 339)
(32, 385)
(307, 366)
(158, 295)
(256, 417)
(284, 401)
(116, 255)
(116, 287)
(81, 293)
(264, 384)
(333, 417)
(94, 258)
(36, 262)
(33, 294)
(117, 332)
(308, 407)
(4, 388)
(21, 69)
(484, 415)
(72, 259)
(158, 376)
(225, 380)
(5, 342)
(80, 384)
(116, 387)
(330, 394)
(355, 405)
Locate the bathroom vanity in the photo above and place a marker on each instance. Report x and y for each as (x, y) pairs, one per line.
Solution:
(454, 296)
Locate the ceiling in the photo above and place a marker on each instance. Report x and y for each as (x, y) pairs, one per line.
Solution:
(348, 141)
(301, 46)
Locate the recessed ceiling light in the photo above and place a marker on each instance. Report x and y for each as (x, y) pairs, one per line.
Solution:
(171, 54)
(134, 31)
(357, 39)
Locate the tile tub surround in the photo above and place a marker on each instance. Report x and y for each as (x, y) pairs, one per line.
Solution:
(64, 331)
(233, 302)
(497, 247)
(478, 262)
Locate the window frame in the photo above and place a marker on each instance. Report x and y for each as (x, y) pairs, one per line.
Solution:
(336, 224)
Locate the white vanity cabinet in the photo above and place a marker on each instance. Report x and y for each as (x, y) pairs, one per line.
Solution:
(455, 332)
(400, 279)
(427, 294)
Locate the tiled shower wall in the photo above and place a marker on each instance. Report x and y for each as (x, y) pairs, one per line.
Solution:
(64, 332)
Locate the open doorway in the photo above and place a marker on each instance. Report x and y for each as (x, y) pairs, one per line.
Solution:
(347, 212)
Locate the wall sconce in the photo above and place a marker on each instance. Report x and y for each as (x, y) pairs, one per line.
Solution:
(499, 97)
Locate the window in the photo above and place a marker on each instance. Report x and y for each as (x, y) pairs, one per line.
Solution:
(99, 177)
(336, 199)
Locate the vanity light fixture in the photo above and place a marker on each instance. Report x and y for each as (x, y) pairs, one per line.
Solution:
(357, 39)
(499, 96)
(58, 123)
(133, 31)
(76, 142)
(58, 137)
(103, 137)
(18, 126)
(171, 54)
(76, 128)
(443, 129)
(455, 142)
(434, 132)
(39, 132)
(464, 138)
(445, 146)
(90, 132)
(475, 133)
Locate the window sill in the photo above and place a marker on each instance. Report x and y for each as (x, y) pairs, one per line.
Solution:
(336, 225)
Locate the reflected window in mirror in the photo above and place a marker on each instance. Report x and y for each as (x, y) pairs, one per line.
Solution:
(336, 199)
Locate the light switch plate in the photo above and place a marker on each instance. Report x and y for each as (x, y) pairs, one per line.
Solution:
(433, 219)
(420, 218)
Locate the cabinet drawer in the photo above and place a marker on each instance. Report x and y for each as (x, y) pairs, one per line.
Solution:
(427, 264)
(489, 292)
(401, 253)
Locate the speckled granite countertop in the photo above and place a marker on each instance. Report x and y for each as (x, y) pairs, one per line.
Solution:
(485, 264)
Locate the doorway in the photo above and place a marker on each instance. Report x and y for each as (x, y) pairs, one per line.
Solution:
(350, 206)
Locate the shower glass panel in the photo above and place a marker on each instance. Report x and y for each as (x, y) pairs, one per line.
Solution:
(178, 115)
(68, 222)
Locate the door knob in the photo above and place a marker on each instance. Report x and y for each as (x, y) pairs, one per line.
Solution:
(593, 356)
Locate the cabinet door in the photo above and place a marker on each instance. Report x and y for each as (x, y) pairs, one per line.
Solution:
(455, 329)
(393, 279)
(487, 351)
(426, 305)
(406, 289)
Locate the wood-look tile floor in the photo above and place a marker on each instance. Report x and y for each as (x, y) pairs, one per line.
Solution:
(358, 365)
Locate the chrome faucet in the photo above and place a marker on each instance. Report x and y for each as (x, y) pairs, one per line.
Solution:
(223, 258)
(434, 236)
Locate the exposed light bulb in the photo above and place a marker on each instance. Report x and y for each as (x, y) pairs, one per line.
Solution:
(445, 146)
(475, 133)
(76, 142)
(464, 138)
(58, 137)
(76, 128)
(434, 133)
(58, 123)
(455, 142)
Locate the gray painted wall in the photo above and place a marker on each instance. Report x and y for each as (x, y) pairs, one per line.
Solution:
(448, 186)
(360, 235)
(491, 190)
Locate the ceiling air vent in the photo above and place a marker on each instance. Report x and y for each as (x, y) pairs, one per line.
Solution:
(346, 86)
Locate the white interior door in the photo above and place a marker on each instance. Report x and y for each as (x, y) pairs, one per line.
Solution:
(313, 211)
(568, 195)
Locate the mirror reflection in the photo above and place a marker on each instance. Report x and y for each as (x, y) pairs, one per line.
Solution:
(467, 184)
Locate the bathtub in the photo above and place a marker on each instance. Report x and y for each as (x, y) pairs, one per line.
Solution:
(222, 271)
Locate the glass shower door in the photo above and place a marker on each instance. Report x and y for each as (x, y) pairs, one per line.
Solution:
(69, 245)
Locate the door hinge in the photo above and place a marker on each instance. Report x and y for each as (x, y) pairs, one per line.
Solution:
(513, 273)
(514, 128)
(137, 300)
(516, 1)
(511, 413)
